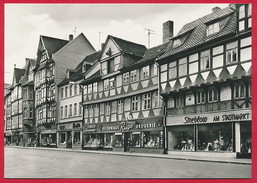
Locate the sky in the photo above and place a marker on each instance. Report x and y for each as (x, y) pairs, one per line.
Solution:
(24, 23)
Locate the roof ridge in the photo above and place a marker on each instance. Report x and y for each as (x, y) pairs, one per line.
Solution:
(126, 40)
(54, 38)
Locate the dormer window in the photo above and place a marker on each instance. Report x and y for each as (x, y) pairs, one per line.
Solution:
(213, 28)
(177, 42)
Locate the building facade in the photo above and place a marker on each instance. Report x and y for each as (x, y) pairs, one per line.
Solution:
(205, 81)
(69, 127)
(122, 108)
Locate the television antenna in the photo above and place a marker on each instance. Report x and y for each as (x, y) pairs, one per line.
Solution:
(149, 32)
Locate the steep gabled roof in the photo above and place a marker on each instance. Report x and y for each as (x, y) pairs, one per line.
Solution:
(95, 77)
(52, 45)
(195, 31)
(129, 47)
(92, 57)
(17, 74)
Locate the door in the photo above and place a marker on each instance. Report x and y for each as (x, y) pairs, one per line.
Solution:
(127, 142)
(69, 140)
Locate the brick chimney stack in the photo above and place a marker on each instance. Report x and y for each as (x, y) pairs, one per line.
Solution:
(167, 31)
(70, 37)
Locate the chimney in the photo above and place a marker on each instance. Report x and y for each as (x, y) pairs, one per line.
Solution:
(70, 37)
(102, 46)
(215, 9)
(14, 65)
(167, 28)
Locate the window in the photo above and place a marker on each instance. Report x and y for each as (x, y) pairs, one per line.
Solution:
(110, 65)
(104, 68)
(242, 11)
(147, 101)
(172, 70)
(126, 78)
(217, 56)
(75, 89)
(75, 109)
(95, 87)
(157, 100)
(70, 109)
(62, 93)
(31, 112)
(61, 111)
(66, 111)
(106, 84)
(66, 91)
(85, 89)
(107, 108)
(239, 91)
(135, 103)
(180, 101)
(116, 63)
(133, 76)
(120, 106)
(231, 52)
(245, 49)
(71, 90)
(112, 83)
(245, 17)
(80, 108)
(193, 63)
(213, 95)
(96, 110)
(176, 42)
(164, 73)
(89, 88)
(145, 72)
(182, 66)
(155, 70)
(200, 96)
(213, 28)
(205, 60)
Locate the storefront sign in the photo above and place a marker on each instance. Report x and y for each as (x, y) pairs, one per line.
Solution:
(123, 126)
(147, 125)
(76, 125)
(228, 116)
(90, 128)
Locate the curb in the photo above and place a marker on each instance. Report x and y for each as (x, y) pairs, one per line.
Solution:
(133, 154)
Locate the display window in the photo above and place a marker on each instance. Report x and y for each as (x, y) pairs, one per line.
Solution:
(215, 137)
(181, 138)
(48, 139)
(62, 140)
(76, 138)
(108, 140)
(118, 140)
(151, 139)
(245, 139)
(136, 139)
(93, 140)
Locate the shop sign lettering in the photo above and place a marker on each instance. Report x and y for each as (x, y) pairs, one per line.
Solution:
(126, 127)
(236, 117)
(146, 125)
(90, 128)
(196, 119)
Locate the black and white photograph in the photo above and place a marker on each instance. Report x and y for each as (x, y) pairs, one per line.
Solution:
(127, 91)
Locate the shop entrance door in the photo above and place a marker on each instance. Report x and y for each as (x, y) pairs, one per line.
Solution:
(69, 140)
(127, 142)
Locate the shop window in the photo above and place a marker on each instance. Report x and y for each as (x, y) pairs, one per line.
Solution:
(107, 108)
(180, 101)
(76, 138)
(151, 139)
(213, 28)
(93, 140)
(126, 78)
(108, 140)
(106, 84)
(135, 103)
(239, 91)
(213, 95)
(118, 140)
(120, 106)
(215, 137)
(136, 139)
(133, 76)
(245, 137)
(147, 101)
(145, 72)
(231, 53)
(62, 140)
(181, 138)
(182, 66)
(172, 70)
(112, 83)
(200, 97)
(205, 60)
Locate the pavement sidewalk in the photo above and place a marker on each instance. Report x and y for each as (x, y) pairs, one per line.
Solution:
(164, 156)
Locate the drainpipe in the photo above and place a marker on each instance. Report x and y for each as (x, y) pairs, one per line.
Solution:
(165, 136)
